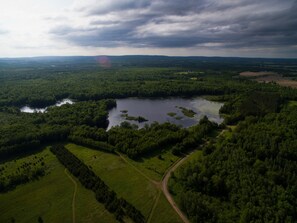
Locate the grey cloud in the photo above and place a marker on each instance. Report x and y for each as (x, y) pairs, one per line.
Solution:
(3, 31)
(107, 6)
(230, 24)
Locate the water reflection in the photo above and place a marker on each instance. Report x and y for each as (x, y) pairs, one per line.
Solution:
(158, 109)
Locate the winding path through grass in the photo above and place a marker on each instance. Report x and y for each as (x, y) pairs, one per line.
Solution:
(157, 184)
(162, 186)
(139, 171)
(74, 194)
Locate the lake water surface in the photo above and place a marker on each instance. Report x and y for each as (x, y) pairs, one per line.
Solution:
(28, 109)
(158, 109)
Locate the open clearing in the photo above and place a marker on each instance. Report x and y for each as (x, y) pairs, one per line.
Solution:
(51, 198)
(164, 213)
(155, 166)
(287, 83)
(128, 183)
(256, 74)
(268, 77)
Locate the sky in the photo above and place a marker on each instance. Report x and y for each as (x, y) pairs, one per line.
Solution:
(244, 28)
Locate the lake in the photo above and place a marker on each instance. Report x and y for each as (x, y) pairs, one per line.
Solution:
(28, 109)
(158, 109)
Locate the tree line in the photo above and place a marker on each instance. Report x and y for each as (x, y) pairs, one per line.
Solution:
(118, 206)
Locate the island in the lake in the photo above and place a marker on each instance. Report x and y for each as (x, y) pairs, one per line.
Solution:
(187, 112)
(171, 114)
(139, 119)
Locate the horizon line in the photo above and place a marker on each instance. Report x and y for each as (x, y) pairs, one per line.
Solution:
(147, 55)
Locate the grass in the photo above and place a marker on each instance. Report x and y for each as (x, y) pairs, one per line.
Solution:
(129, 182)
(19, 167)
(195, 156)
(165, 213)
(50, 198)
(155, 166)
(119, 176)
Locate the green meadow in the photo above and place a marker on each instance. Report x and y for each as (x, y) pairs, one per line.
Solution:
(129, 182)
(50, 197)
(164, 213)
(155, 166)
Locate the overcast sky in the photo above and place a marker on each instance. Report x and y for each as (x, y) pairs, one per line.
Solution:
(253, 28)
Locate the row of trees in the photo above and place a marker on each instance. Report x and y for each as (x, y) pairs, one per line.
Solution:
(118, 206)
(91, 143)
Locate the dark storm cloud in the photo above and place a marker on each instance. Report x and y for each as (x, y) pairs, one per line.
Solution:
(186, 23)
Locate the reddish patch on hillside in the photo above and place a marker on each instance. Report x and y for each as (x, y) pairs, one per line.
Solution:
(269, 77)
(256, 74)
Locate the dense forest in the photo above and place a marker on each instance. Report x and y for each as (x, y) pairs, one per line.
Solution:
(40, 82)
(136, 143)
(43, 81)
(246, 171)
(248, 176)
(21, 132)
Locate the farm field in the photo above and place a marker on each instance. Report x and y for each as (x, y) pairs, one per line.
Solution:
(268, 77)
(256, 74)
(50, 198)
(154, 166)
(127, 182)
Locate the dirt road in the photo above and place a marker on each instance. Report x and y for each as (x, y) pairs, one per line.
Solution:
(74, 194)
(167, 193)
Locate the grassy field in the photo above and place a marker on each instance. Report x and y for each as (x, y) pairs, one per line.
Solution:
(119, 176)
(164, 213)
(128, 182)
(50, 197)
(155, 166)
(25, 166)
